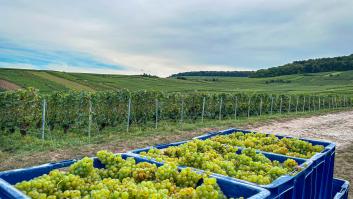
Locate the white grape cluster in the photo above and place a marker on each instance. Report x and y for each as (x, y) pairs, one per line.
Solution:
(214, 156)
(121, 179)
(270, 143)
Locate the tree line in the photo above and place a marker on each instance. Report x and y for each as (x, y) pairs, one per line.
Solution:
(342, 63)
(214, 73)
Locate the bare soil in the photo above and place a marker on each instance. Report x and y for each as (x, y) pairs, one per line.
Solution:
(8, 85)
(335, 127)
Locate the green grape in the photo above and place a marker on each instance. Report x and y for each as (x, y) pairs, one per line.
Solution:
(167, 171)
(211, 155)
(83, 167)
(187, 178)
(120, 179)
(286, 146)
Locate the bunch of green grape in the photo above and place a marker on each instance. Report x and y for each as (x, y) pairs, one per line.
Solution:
(213, 156)
(270, 143)
(121, 179)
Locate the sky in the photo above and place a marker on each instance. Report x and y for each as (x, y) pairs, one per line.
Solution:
(163, 37)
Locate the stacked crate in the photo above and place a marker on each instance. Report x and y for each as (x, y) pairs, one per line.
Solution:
(315, 180)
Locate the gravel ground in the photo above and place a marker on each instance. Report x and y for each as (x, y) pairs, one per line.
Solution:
(335, 127)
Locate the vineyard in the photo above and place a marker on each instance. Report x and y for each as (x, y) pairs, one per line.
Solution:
(28, 111)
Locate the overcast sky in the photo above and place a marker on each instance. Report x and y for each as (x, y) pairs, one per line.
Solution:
(164, 37)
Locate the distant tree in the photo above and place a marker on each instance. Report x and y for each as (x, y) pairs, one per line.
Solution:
(148, 75)
(214, 74)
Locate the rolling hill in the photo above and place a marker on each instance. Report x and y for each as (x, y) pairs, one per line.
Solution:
(48, 81)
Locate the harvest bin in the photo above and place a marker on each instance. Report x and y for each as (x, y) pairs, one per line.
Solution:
(340, 188)
(229, 187)
(323, 162)
(287, 186)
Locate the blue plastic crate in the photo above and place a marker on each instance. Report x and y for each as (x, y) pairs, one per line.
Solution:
(229, 187)
(323, 162)
(340, 188)
(298, 186)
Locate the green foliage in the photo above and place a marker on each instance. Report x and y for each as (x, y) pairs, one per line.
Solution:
(20, 109)
(67, 110)
(342, 63)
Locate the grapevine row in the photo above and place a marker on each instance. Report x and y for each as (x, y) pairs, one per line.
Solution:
(23, 109)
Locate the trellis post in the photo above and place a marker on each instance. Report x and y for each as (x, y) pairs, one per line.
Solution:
(260, 106)
(304, 104)
(235, 108)
(220, 108)
(156, 126)
(89, 119)
(249, 107)
(271, 104)
(296, 106)
(43, 117)
(182, 111)
(290, 99)
(203, 108)
(280, 106)
(128, 114)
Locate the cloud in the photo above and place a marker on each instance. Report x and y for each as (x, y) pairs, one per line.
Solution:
(164, 37)
(13, 54)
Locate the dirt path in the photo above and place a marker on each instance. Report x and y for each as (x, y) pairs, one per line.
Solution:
(8, 85)
(335, 127)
